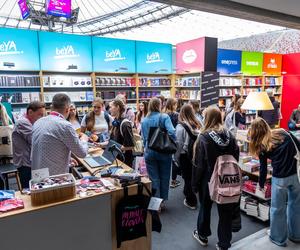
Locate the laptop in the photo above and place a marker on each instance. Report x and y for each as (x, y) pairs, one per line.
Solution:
(105, 159)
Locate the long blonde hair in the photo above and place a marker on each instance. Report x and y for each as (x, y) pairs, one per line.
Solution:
(212, 119)
(262, 138)
(4, 117)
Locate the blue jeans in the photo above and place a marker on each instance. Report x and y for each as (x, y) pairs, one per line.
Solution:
(285, 210)
(159, 170)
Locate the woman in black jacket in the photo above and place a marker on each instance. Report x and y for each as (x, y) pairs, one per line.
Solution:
(212, 142)
(279, 146)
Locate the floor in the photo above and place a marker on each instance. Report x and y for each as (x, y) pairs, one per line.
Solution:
(179, 223)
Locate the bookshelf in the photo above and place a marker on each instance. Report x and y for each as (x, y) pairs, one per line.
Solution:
(188, 86)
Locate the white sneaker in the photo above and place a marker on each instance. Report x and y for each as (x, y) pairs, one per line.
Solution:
(189, 206)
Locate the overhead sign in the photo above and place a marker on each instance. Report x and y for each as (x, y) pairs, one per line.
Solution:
(59, 8)
(113, 55)
(19, 50)
(66, 53)
(252, 63)
(24, 8)
(190, 56)
(153, 58)
(272, 64)
(229, 61)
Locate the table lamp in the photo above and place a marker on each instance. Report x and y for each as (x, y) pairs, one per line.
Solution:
(257, 101)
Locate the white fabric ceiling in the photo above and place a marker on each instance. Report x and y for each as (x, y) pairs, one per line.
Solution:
(139, 20)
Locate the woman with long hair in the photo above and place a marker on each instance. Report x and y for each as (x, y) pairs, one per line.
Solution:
(196, 106)
(121, 131)
(240, 115)
(158, 164)
(97, 122)
(170, 110)
(140, 115)
(279, 146)
(73, 117)
(5, 120)
(213, 142)
(187, 131)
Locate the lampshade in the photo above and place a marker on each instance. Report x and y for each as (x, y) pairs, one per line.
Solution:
(257, 101)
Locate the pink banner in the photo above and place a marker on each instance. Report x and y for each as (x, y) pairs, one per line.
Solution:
(190, 56)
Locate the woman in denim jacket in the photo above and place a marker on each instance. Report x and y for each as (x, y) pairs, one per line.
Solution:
(158, 164)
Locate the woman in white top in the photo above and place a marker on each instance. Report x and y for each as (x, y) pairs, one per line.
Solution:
(97, 122)
(73, 117)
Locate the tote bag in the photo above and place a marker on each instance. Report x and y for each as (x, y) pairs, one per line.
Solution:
(160, 141)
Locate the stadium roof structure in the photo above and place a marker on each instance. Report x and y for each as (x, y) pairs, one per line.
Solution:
(138, 20)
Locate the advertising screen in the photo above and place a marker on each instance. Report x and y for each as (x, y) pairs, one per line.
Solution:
(153, 58)
(65, 52)
(229, 61)
(24, 8)
(59, 8)
(252, 63)
(19, 50)
(113, 55)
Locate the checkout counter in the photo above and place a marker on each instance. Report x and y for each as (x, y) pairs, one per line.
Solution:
(77, 224)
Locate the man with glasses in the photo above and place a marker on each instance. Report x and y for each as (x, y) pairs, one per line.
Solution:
(54, 138)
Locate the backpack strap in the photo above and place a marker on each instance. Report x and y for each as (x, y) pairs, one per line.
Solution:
(187, 129)
(123, 121)
(106, 117)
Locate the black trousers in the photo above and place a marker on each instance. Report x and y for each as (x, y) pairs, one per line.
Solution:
(175, 171)
(227, 212)
(25, 176)
(186, 168)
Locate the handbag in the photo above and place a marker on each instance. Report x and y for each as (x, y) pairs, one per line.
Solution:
(160, 141)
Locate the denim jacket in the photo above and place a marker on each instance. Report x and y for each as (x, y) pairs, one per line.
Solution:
(152, 120)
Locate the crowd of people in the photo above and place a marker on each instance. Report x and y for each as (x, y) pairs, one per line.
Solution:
(201, 138)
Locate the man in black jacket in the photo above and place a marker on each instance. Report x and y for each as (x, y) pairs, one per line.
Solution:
(294, 123)
(209, 146)
(271, 116)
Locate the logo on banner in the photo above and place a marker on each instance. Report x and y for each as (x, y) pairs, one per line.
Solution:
(229, 62)
(65, 52)
(114, 55)
(9, 48)
(272, 64)
(153, 58)
(189, 56)
(251, 63)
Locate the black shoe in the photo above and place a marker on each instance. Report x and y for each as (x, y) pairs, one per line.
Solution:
(220, 248)
(202, 240)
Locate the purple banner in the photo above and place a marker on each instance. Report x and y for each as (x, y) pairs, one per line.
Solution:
(59, 8)
(24, 8)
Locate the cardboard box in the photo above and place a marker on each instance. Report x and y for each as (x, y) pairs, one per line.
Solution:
(53, 194)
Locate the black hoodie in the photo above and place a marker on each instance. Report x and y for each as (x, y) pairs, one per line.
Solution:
(208, 147)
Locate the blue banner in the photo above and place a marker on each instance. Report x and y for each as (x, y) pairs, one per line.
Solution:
(65, 53)
(113, 55)
(19, 50)
(153, 58)
(229, 61)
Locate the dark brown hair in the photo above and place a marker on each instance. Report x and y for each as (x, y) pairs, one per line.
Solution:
(196, 105)
(140, 114)
(35, 106)
(187, 115)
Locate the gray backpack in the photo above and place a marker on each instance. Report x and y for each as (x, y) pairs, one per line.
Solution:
(230, 122)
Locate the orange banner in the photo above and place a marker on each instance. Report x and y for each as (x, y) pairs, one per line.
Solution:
(272, 64)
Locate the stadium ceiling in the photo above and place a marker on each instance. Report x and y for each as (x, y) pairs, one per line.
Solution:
(158, 21)
(276, 12)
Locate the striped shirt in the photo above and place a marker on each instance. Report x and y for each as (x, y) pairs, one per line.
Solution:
(53, 140)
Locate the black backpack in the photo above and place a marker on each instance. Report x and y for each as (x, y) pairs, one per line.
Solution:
(192, 139)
